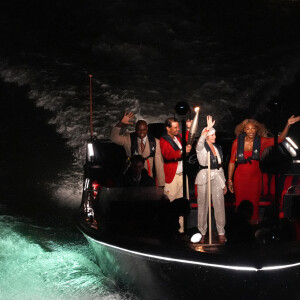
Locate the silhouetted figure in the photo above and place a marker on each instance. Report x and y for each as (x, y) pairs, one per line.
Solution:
(269, 233)
(239, 229)
(166, 219)
(136, 175)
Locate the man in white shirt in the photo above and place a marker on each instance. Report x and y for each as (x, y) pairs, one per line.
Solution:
(171, 147)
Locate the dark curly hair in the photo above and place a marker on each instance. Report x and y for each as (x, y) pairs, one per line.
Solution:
(261, 129)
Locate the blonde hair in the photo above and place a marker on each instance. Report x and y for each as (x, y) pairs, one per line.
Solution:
(261, 129)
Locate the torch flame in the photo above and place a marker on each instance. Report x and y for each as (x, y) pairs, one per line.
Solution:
(197, 108)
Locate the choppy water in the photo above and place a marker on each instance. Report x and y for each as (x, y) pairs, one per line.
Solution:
(230, 57)
(37, 263)
(42, 253)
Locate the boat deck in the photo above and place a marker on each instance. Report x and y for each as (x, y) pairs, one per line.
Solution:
(255, 257)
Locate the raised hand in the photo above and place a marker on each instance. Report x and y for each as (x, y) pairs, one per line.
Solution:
(210, 122)
(127, 119)
(293, 120)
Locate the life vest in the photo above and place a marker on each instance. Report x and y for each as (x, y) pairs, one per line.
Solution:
(213, 159)
(240, 159)
(166, 137)
(134, 145)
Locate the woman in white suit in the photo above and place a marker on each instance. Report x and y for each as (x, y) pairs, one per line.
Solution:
(206, 144)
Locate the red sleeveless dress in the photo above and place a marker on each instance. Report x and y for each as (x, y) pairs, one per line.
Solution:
(247, 179)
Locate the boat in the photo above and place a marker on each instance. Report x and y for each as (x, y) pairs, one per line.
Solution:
(133, 233)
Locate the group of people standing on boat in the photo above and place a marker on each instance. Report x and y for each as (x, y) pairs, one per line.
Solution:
(165, 155)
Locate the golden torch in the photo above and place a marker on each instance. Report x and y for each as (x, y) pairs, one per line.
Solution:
(194, 127)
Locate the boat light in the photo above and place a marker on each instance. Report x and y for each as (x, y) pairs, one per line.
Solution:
(196, 263)
(289, 148)
(90, 151)
(293, 152)
(196, 237)
(86, 184)
(292, 143)
(95, 186)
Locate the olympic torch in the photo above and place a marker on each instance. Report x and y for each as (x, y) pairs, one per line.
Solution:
(194, 127)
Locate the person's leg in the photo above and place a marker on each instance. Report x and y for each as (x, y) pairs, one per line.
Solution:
(219, 207)
(180, 195)
(202, 208)
(174, 190)
(171, 189)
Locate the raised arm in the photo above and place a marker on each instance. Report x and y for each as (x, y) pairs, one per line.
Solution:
(290, 121)
(115, 132)
(210, 124)
(126, 120)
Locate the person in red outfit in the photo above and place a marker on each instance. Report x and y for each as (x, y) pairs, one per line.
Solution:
(171, 150)
(246, 152)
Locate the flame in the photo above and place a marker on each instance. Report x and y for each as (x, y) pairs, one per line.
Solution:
(197, 108)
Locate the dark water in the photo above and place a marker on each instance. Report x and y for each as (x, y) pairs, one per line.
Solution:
(232, 58)
(42, 253)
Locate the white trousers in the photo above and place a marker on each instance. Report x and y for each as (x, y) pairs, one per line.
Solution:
(174, 190)
(218, 203)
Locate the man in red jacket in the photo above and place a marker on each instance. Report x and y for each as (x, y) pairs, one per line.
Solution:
(171, 150)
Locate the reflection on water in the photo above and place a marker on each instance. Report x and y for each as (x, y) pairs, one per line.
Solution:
(43, 263)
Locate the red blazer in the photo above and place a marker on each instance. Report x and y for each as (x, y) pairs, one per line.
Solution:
(169, 153)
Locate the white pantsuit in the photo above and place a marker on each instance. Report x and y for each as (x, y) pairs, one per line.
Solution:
(217, 185)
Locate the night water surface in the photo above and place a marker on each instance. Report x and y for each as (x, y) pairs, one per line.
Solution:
(234, 59)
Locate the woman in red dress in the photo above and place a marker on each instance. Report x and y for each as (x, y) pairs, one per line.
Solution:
(246, 151)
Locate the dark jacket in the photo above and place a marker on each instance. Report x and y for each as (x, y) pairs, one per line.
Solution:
(146, 180)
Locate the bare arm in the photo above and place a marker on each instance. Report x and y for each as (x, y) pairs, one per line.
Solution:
(290, 121)
(225, 190)
(231, 167)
